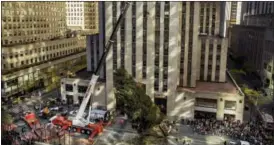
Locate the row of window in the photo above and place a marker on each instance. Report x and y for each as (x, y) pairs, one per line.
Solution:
(80, 89)
(182, 41)
(122, 32)
(144, 73)
(210, 62)
(205, 14)
(134, 39)
(25, 25)
(166, 45)
(190, 43)
(39, 50)
(43, 58)
(34, 12)
(37, 5)
(157, 45)
(259, 7)
(114, 45)
(23, 40)
(26, 18)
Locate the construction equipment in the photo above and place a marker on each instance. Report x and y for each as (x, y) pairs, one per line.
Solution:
(93, 124)
(31, 119)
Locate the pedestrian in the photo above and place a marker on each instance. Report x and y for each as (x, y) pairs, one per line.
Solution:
(225, 143)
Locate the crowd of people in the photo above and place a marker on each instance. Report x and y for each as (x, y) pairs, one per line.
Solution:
(253, 132)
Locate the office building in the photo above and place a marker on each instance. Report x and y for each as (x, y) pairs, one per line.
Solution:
(253, 39)
(168, 46)
(261, 20)
(256, 45)
(36, 46)
(257, 7)
(82, 16)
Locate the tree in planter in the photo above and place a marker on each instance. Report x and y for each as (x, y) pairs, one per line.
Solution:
(132, 100)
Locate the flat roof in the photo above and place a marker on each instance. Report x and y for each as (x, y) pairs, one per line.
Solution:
(251, 27)
(212, 87)
(85, 75)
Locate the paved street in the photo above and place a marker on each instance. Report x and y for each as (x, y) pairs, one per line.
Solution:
(186, 132)
(116, 133)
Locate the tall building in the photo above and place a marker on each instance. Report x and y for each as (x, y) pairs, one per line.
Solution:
(82, 16)
(253, 39)
(177, 49)
(36, 46)
(257, 7)
(236, 11)
(261, 20)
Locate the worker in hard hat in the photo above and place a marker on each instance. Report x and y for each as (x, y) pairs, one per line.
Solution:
(46, 111)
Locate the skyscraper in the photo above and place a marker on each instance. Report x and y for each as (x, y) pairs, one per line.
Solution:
(177, 49)
(167, 45)
(254, 40)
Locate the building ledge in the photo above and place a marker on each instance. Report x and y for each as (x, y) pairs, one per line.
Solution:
(4, 72)
(212, 87)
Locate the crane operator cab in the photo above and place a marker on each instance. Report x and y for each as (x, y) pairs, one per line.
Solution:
(97, 116)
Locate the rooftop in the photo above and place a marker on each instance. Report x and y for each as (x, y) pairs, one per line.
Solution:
(85, 75)
(262, 15)
(213, 87)
(250, 27)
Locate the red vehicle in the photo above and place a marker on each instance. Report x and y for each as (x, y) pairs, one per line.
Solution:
(31, 120)
(91, 126)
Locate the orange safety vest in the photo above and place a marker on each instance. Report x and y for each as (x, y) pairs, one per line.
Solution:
(46, 110)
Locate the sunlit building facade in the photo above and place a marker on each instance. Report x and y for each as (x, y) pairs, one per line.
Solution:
(36, 46)
(82, 16)
(177, 49)
(150, 48)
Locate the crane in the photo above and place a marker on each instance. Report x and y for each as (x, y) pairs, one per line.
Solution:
(79, 120)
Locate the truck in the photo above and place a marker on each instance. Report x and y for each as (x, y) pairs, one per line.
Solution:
(93, 123)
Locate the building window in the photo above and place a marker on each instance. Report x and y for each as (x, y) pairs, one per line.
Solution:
(230, 105)
(122, 31)
(82, 89)
(134, 39)
(166, 46)
(114, 20)
(144, 39)
(156, 85)
(69, 87)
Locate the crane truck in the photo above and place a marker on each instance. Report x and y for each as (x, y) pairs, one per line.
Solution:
(93, 124)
